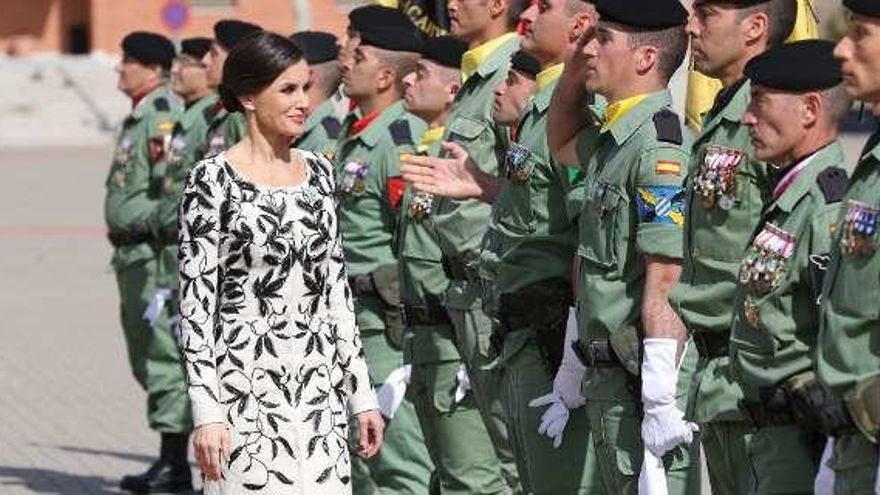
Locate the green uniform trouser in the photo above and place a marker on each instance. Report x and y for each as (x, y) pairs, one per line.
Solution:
(152, 351)
(543, 469)
(726, 446)
(455, 434)
(615, 417)
(854, 461)
(473, 330)
(402, 465)
(784, 459)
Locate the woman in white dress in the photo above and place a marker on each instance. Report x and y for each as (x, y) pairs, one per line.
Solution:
(272, 352)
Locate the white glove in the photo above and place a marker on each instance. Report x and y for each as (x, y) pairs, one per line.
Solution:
(554, 419)
(663, 427)
(824, 483)
(463, 384)
(390, 394)
(652, 478)
(157, 304)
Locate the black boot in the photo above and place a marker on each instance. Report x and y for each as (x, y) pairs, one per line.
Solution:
(169, 474)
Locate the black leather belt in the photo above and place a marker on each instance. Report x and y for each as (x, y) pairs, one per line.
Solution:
(455, 268)
(129, 238)
(711, 345)
(596, 353)
(362, 285)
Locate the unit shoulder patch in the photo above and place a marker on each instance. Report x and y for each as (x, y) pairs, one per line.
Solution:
(668, 126)
(161, 104)
(832, 181)
(400, 132)
(332, 126)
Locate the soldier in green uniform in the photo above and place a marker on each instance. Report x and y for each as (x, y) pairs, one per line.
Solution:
(371, 190)
(726, 190)
(797, 104)
(455, 434)
(226, 128)
(327, 105)
(630, 240)
(129, 212)
(460, 225)
(848, 360)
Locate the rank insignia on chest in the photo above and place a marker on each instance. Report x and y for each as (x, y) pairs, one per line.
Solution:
(420, 206)
(715, 183)
(859, 235)
(216, 144)
(516, 162)
(764, 264)
(351, 181)
(123, 150)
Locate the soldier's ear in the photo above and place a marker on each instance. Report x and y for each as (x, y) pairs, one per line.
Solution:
(811, 104)
(247, 102)
(453, 89)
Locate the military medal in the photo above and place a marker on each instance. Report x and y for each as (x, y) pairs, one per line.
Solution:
(716, 181)
(764, 264)
(420, 205)
(352, 180)
(517, 157)
(750, 311)
(123, 150)
(217, 144)
(175, 149)
(859, 229)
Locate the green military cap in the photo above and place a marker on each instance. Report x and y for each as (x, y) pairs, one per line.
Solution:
(149, 48)
(229, 32)
(397, 39)
(870, 8)
(525, 63)
(318, 46)
(444, 50)
(195, 47)
(800, 66)
(368, 16)
(643, 14)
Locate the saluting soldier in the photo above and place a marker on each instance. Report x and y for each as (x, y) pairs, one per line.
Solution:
(455, 434)
(327, 106)
(797, 105)
(370, 189)
(460, 225)
(226, 128)
(848, 360)
(630, 239)
(726, 190)
(130, 212)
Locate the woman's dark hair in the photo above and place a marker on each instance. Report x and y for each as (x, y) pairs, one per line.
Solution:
(253, 64)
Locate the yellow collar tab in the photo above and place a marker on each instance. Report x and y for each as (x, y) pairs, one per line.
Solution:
(548, 75)
(473, 59)
(619, 109)
(429, 138)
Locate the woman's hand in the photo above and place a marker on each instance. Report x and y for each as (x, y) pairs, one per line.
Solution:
(370, 429)
(211, 443)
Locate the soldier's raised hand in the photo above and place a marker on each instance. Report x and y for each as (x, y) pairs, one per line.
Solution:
(452, 177)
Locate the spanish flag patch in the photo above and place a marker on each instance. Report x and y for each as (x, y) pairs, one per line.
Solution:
(665, 167)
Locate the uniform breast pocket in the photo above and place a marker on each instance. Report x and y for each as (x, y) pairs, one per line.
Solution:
(600, 220)
(856, 285)
(469, 133)
(516, 209)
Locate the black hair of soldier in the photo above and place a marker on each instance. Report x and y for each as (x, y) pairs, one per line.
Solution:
(781, 15)
(253, 64)
(671, 45)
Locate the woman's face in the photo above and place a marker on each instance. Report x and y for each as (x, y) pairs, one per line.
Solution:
(282, 107)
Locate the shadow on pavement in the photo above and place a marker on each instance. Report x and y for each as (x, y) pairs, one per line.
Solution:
(53, 482)
(145, 459)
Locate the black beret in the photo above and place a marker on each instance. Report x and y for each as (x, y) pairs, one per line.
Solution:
(643, 14)
(870, 8)
(318, 46)
(149, 48)
(195, 47)
(229, 32)
(523, 62)
(445, 50)
(368, 16)
(396, 39)
(799, 66)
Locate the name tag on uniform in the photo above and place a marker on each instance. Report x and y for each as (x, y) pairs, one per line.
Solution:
(859, 229)
(715, 182)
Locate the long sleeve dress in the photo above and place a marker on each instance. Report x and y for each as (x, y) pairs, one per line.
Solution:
(268, 333)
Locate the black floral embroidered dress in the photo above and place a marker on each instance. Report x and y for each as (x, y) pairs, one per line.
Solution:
(267, 328)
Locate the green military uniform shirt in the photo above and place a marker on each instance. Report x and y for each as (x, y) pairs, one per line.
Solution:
(370, 189)
(186, 140)
(322, 129)
(849, 348)
(726, 192)
(461, 225)
(633, 208)
(226, 129)
(132, 192)
(775, 314)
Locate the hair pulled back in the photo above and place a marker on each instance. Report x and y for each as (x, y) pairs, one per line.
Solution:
(253, 64)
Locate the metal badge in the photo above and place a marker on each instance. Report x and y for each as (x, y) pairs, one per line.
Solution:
(751, 313)
(715, 183)
(351, 180)
(420, 206)
(175, 150)
(859, 236)
(764, 265)
(123, 149)
(217, 144)
(516, 161)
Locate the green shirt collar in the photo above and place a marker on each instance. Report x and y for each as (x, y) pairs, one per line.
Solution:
(379, 127)
(325, 109)
(829, 156)
(732, 111)
(633, 120)
(196, 111)
(872, 147)
(499, 57)
(146, 104)
(542, 98)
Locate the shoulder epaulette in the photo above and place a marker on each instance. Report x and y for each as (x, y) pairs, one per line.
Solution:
(332, 126)
(400, 132)
(832, 181)
(668, 126)
(161, 104)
